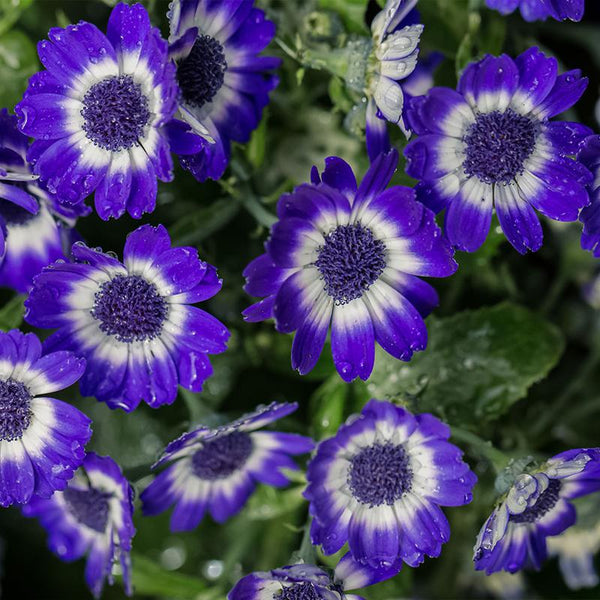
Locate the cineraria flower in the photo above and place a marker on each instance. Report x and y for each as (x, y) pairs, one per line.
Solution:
(350, 257)
(37, 229)
(224, 82)
(97, 113)
(93, 517)
(378, 484)
(491, 144)
(535, 507)
(589, 155)
(534, 10)
(308, 582)
(216, 470)
(133, 322)
(41, 439)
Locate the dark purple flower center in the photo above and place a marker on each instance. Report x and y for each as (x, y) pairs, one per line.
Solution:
(350, 261)
(13, 214)
(130, 308)
(201, 73)
(15, 410)
(89, 507)
(379, 474)
(498, 144)
(223, 456)
(298, 591)
(547, 500)
(115, 113)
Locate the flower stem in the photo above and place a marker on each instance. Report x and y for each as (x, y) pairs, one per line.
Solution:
(496, 457)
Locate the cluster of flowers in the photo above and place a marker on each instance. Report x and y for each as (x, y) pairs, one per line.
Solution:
(343, 256)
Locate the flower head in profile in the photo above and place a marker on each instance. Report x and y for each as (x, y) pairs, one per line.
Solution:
(133, 321)
(536, 506)
(98, 112)
(491, 144)
(216, 470)
(35, 229)
(540, 10)
(378, 484)
(93, 517)
(309, 582)
(349, 257)
(224, 81)
(41, 439)
(589, 155)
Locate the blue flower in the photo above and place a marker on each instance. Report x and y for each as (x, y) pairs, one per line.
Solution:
(350, 257)
(97, 113)
(309, 582)
(133, 322)
(536, 10)
(93, 517)
(589, 155)
(535, 507)
(216, 470)
(224, 82)
(491, 144)
(41, 439)
(379, 482)
(35, 229)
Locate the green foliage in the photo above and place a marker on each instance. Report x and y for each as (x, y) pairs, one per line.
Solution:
(478, 363)
(11, 314)
(18, 61)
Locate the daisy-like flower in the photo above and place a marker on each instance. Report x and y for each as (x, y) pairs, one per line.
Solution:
(93, 517)
(216, 470)
(133, 322)
(378, 484)
(224, 82)
(309, 582)
(350, 257)
(492, 144)
(36, 228)
(540, 10)
(97, 113)
(535, 507)
(41, 439)
(589, 155)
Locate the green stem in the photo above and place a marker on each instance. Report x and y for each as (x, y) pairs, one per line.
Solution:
(258, 211)
(306, 552)
(497, 458)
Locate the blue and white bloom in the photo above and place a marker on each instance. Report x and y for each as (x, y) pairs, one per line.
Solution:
(540, 10)
(308, 582)
(378, 484)
(93, 517)
(535, 507)
(224, 81)
(41, 439)
(491, 144)
(132, 321)
(216, 470)
(32, 239)
(97, 113)
(350, 257)
(589, 155)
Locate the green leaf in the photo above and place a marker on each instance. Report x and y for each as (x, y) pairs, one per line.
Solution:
(11, 314)
(257, 145)
(18, 61)
(352, 13)
(269, 503)
(10, 12)
(477, 365)
(150, 579)
(327, 406)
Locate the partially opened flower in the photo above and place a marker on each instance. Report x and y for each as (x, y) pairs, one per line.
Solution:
(491, 144)
(309, 582)
(97, 113)
(589, 155)
(378, 484)
(37, 229)
(133, 321)
(92, 517)
(224, 81)
(535, 507)
(540, 10)
(216, 470)
(350, 257)
(41, 439)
